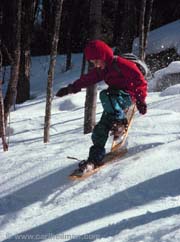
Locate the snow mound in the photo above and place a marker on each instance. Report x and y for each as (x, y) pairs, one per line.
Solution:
(67, 105)
(165, 77)
(173, 90)
(173, 67)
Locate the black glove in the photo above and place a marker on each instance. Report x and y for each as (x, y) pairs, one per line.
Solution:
(62, 92)
(142, 107)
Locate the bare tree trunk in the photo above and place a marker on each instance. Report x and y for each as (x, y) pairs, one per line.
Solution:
(48, 9)
(91, 92)
(72, 15)
(125, 25)
(2, 123)
(144, 26)
(141, 29)
(23, 88)
(12, 86)
(83, 66)
(53, 55)
(148, 18)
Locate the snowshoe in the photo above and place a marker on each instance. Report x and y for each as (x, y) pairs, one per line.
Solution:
(85, 171)
(118, 149)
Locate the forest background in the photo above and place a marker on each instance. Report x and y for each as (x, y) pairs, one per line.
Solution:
(50, 27)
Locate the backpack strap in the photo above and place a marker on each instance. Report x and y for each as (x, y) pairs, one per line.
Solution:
(116, 66)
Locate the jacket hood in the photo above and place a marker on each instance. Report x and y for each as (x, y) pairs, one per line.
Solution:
(98, 50)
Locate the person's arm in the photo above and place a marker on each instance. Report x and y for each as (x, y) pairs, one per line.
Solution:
(141, 93)
(92, 77)
(140, 85)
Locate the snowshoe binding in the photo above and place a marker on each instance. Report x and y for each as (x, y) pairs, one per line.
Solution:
(119, 127)
(85, 166)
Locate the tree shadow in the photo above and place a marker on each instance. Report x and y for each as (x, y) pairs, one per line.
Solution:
(114, 229)
(139, 148)
(158, 187)
(36, 191)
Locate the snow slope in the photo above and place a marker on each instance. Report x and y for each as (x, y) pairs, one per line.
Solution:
(134, 200)
(160, 75)
(162, 38)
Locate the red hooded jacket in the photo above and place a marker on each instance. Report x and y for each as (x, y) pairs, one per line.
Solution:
(129, 80)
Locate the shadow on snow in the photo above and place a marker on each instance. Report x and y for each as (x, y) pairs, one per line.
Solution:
(158, 187)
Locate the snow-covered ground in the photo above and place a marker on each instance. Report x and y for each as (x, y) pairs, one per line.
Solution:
(136, 199)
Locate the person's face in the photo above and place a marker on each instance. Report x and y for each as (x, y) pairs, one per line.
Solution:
(98, 63)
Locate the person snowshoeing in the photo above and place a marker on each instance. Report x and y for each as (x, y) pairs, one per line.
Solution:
(125, 87)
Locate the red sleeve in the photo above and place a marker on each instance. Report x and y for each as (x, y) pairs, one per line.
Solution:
(140, 88)
(92, 77)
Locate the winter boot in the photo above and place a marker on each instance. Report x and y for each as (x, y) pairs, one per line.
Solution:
(86, 166)
(119, 127)
(96, 155)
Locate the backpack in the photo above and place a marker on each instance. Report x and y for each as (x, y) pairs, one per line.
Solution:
(142, 66)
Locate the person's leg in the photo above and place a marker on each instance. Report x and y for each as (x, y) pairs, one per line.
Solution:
(114, 102)
(99, 137)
